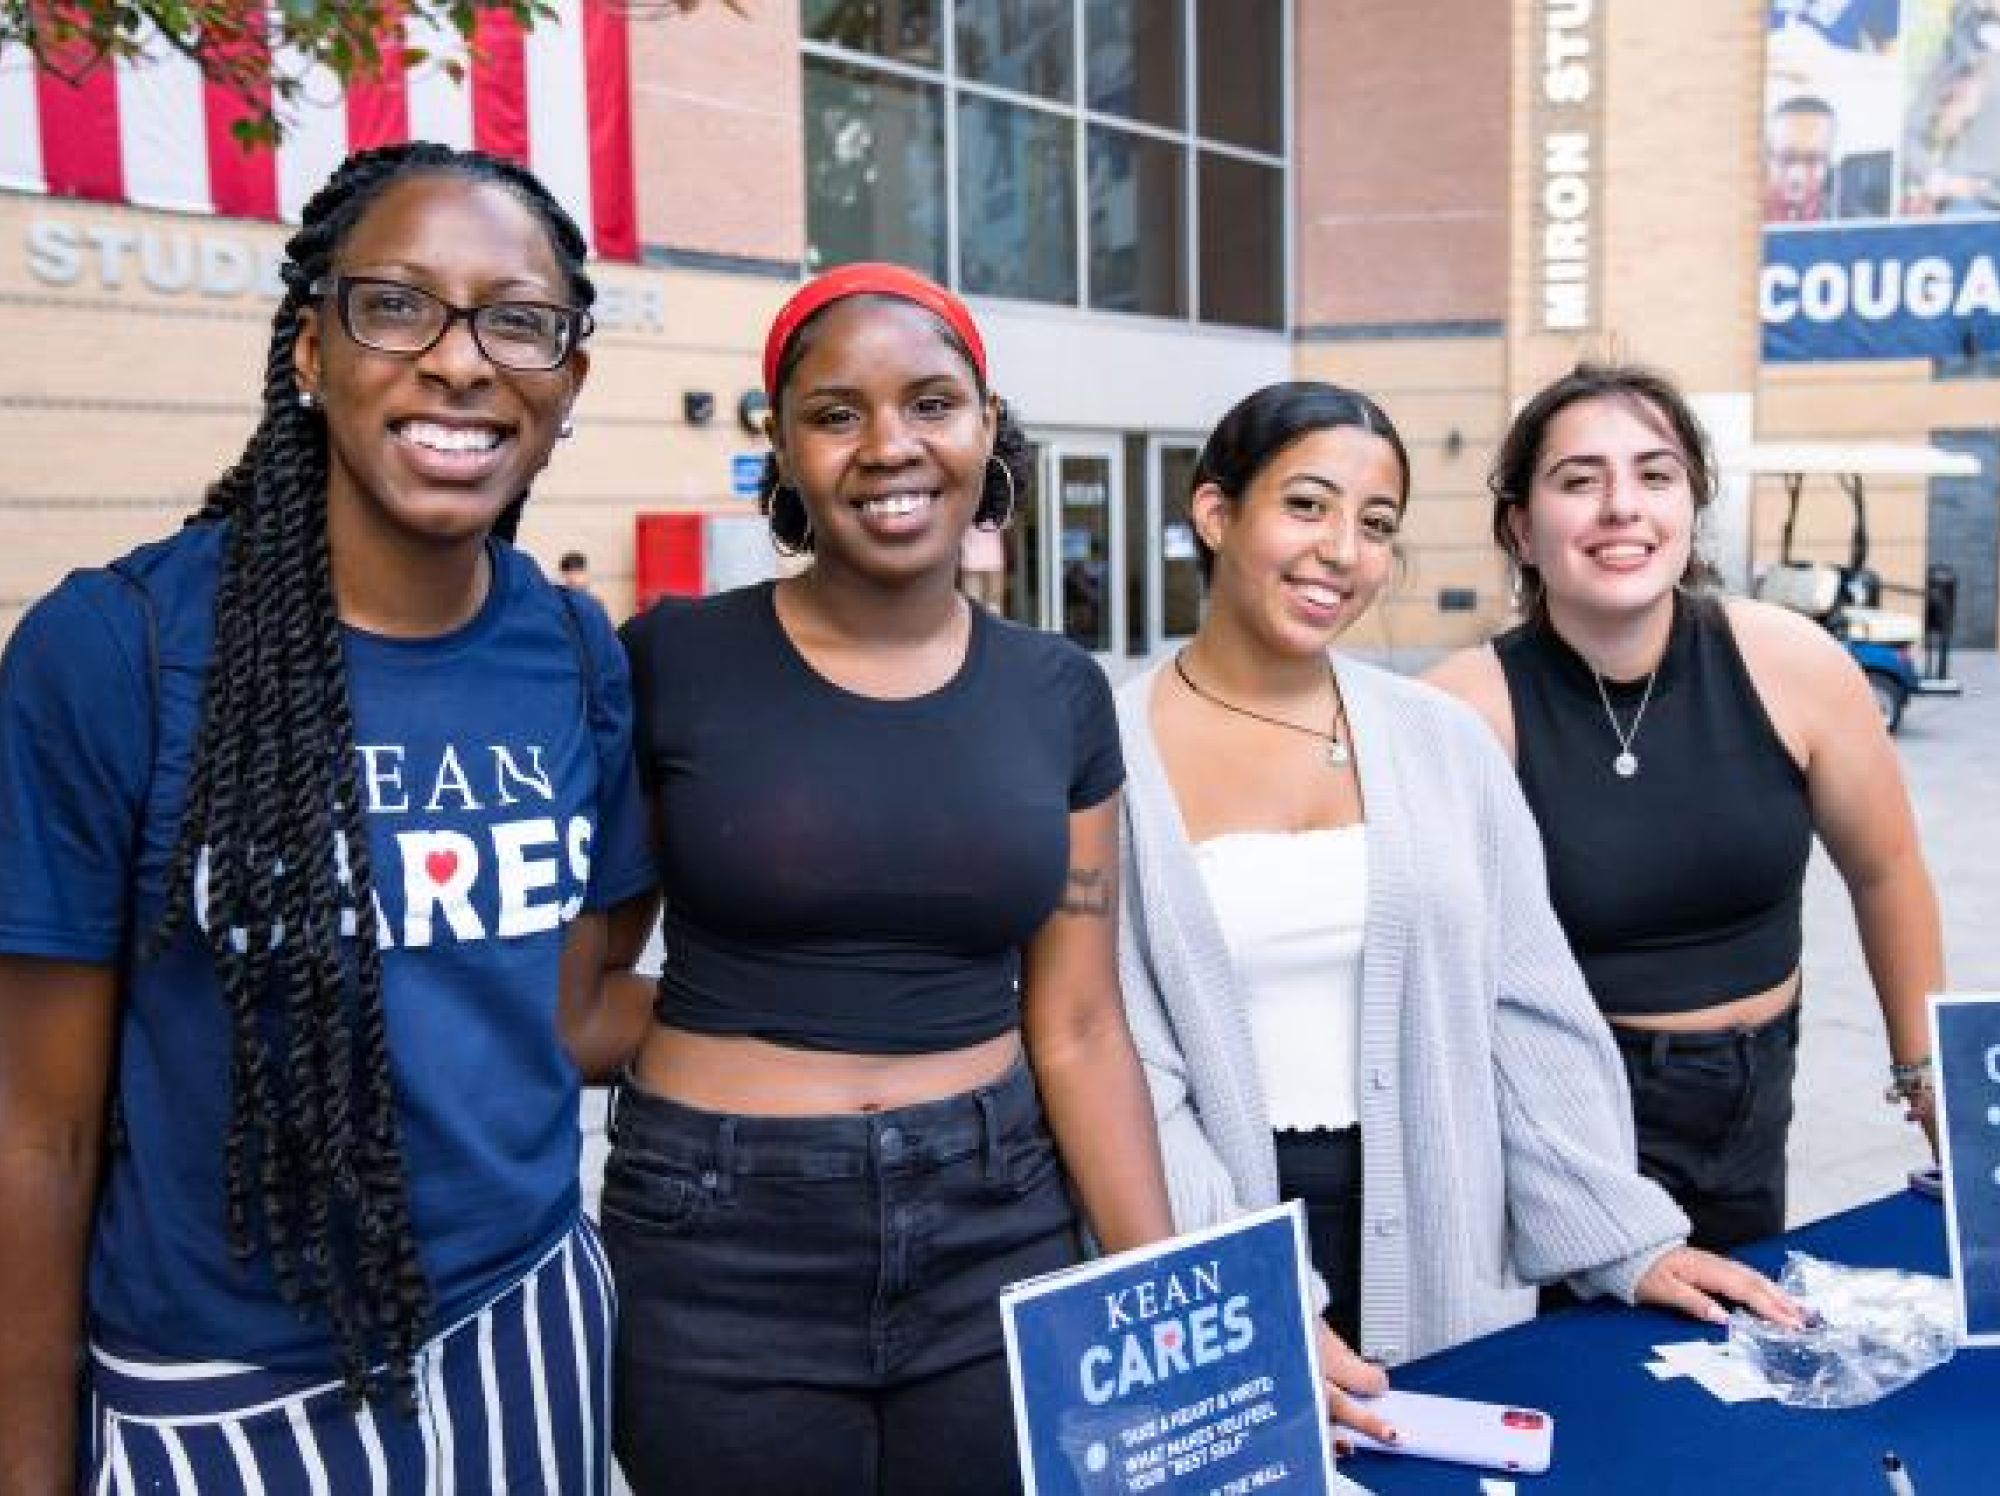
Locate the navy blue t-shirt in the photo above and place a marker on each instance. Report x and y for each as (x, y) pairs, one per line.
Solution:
(501, 801)
(848, 873)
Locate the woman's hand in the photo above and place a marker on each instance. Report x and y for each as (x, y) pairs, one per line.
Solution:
(1694, 1281)
(1921, 1108)
(1347, 1377)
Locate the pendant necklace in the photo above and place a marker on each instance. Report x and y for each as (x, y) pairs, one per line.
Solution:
(1336, 753)
(1626, 764)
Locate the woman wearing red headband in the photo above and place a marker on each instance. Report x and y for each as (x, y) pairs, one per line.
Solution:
(889, 1023)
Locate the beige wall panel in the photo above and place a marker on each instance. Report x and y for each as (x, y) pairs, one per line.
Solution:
(718, 147)
(1683, 92)
(1401, 201)
(1875, 402)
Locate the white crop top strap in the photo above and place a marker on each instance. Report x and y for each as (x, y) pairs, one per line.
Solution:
(1292, 906)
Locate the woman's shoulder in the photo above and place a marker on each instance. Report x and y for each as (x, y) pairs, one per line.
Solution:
(1433, 734)
(1768, 634)
(1413, 695)
(1036, 657)
(676, 623)
(157, 597)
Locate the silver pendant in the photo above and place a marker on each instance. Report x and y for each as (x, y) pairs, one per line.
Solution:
(1625, 765)
(1337, 755)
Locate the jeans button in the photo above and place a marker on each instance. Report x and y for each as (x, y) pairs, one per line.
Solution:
(890, 1140)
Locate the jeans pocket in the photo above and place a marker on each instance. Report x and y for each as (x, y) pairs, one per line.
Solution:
(649, 1196)
(1028, 1164)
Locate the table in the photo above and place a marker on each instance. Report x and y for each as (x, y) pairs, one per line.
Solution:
(1619, 1432)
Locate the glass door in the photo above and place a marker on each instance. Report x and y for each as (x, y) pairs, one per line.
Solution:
(1173, 580)
(1083, 542)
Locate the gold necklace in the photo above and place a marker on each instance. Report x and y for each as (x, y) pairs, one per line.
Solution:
(1336, 753)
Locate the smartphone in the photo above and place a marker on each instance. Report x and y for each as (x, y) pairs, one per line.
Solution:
(1495, 1436)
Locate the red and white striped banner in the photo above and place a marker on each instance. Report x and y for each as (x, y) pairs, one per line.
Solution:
(154, 133)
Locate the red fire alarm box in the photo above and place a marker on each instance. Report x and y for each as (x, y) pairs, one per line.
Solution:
(669, 557)
(692, 552)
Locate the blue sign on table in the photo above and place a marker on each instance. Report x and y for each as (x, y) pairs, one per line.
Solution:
(1965, 1039)
(746, 470)
(1186, 1367)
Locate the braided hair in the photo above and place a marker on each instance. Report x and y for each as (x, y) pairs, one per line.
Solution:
(272, 855)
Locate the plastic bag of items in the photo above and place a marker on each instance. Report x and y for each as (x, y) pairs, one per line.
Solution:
(1868, 1331)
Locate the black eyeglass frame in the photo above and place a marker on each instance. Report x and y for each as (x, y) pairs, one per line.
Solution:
(340, 288)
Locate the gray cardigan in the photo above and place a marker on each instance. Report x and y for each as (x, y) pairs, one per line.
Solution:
(1497, 1140)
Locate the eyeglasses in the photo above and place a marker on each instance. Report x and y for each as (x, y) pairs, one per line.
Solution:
(391, 317)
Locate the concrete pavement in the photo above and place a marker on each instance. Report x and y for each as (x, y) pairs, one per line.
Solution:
(1848, 1145)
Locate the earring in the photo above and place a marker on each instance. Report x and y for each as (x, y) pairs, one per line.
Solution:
(1524, 587)
(1013, 498)
(307, 400)
(805, 541)
(566, 430)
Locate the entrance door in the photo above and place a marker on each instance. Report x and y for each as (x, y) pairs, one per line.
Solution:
(1083, 541)
(1173, 581)
(1964, 533)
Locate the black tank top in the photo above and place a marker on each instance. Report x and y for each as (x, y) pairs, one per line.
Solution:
(1679, 887)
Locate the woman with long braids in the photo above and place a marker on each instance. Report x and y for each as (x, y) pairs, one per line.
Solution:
(312, 811)
(889, 1022)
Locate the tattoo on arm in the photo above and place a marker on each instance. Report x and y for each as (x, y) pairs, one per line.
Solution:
(1088, 892)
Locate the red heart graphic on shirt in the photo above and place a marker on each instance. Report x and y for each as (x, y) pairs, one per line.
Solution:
(1170, 1338)
(441, 864)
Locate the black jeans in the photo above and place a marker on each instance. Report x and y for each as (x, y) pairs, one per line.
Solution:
(810, 1305)
(1713, 1111)
(1322, 1170)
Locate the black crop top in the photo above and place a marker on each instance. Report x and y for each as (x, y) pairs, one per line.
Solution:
(848, 873)
(1679, 888)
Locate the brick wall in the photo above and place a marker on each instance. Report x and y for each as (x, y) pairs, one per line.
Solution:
(1400, 160)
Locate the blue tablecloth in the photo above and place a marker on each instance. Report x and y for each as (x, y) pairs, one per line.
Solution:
(1619, 1432)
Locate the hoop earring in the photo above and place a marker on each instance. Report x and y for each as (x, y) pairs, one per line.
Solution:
(1013, 498)
(1525, 588)
(778, 543)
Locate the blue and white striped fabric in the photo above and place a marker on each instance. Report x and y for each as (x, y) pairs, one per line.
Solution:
(514, 1398)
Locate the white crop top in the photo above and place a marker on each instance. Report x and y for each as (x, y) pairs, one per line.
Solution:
(1291, 906)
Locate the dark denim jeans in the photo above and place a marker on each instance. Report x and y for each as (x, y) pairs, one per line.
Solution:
(809, 1305)
(1322, 1170)
(1713, 1111)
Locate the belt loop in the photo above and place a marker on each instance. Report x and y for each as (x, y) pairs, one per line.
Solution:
(989, 1127)
(1659, 1047)
(725, 1157)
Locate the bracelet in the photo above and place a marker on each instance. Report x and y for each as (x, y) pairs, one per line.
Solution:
(1908, 1079)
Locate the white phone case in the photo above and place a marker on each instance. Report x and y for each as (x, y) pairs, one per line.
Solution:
(1495, 1436)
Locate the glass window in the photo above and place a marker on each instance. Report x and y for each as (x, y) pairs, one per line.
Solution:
(1025, 45)
(1016, 201)
(1242, 87)
(907, 30)
(1138, 224)
(1134, 63)
(1242, 242)
(875, 179)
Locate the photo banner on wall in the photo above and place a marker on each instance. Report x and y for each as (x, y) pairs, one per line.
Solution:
(1881, 182)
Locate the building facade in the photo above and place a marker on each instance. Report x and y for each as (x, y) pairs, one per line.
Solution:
(1155, 206)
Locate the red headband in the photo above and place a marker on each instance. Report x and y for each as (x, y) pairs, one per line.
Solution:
(867, 278)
